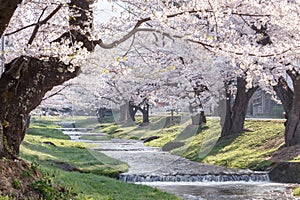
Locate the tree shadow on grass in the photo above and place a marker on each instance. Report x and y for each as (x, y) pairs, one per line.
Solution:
(188, 132)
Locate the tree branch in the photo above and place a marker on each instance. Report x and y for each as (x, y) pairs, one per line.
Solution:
(7, 10)
(110, 99)
(37, 26)
(57, 92)
(25, 27)
(215, 18)
(293, 74)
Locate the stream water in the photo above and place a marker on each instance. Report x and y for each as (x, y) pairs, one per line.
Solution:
(187, 179)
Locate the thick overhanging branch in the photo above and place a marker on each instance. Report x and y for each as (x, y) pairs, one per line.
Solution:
(251, 91)
(142, 21)
(207, 46)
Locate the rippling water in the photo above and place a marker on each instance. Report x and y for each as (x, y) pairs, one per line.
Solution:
(227, 190)
(149, 160)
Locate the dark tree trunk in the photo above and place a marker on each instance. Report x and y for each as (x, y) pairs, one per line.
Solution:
(132, 111)
(291, 104)
(225, 114)
(292, 131)
(144, 108)
(145, 112)
(7, 10)
(26, 79)
(285, 94)
(172, 117)
(235, 117)
(22, 87)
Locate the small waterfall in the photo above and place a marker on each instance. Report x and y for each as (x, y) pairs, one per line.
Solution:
(252, 177)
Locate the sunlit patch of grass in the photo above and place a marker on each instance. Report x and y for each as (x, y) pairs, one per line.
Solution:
(296, 159)
(165, 135)
(47, 147)
(247, 150)
(51, 150)
(297, 192)
(89, 186)
(110, 129)
(251, 149)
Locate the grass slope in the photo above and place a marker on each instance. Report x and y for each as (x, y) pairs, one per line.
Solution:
(77, 169)
(257, 148)
(252, 149)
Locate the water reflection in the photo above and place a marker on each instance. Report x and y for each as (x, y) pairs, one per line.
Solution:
(227, 190)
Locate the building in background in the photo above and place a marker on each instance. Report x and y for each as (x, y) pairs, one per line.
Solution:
(262, 105)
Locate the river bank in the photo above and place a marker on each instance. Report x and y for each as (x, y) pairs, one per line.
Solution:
(187, 179)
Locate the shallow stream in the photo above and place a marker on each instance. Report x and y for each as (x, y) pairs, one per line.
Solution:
(187, 179)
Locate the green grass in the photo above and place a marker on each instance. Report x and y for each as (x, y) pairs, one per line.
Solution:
(89, 186)
(47, 147)
(251, 149)
(297, 192)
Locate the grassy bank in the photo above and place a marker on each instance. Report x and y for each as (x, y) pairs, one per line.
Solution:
(257, 148)
(253, 149)
(80, 172)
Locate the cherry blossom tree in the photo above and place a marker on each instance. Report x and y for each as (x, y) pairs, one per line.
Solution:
(164, 68)
(264, 34)
(47, 42)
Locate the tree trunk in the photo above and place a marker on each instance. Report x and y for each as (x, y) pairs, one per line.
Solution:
(285, 94)
(132, 109)
(145, 113)
(7, 10)
(172, 118)
(26, 79)
(225, 114)
(235, 116)
(22, 87)
(292, 131)
(123, 113)
(291, 103)
(127, 113)
(195, 117)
